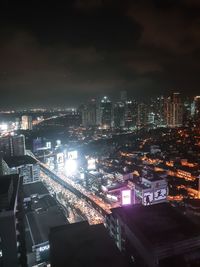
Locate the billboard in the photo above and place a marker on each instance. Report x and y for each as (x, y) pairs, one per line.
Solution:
(73, 154)
(71, 167)
(60, 159)
(48, 145)
(160, 194)
(126, 197)
(147, 198)
(91, 164)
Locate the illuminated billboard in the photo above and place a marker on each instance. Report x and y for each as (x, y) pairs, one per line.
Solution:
(70, 167)
(48, 145)
(126, 197)
(147, 198)
(72, 154)
(60, 159)
(91, 164)
(160, 194)
(3, 127)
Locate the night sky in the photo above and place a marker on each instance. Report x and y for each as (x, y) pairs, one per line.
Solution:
(56, 54)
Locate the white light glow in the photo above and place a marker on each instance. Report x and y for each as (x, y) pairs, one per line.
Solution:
(73, 154)
(126, 197)
(3, 127)
(58, 142)
(91, 164)
(70, 166)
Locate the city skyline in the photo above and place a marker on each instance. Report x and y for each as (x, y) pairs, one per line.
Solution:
(61, 55)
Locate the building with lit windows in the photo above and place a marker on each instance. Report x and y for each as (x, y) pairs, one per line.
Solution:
(130, 113)
(173, 109)
(106, 113)
(142, 115)
(26, 122)
(197, 109)
(25, 166)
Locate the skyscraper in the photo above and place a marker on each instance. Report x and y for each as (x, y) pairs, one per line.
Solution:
(26, 122)
(105, 113)
(119, 114)
(88, 112)
(142, 115)
(130, 113)
(173, 110)
(197, 109)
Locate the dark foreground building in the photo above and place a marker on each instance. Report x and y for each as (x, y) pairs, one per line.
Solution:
(156, 235)
(82, 245)
(12, 241)
(42, 212)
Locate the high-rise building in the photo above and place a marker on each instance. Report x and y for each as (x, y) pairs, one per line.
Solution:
(12, 236)
(187, 111)
(142, 115)
(130, 113)
(119, 114)
(197, 109)
(12, 146)
(173, 110)
(156, 111)
(106, 113)
(26, 122)
(89, 113)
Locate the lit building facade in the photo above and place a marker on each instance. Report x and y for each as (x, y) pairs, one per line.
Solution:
(173, 111)
(106, 113)
(26, 122)
(26, 166)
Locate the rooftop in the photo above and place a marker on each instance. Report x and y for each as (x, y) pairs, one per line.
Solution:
(36, 188)
(158, 224)
(19, 160)
(44, 214)
(79, 244)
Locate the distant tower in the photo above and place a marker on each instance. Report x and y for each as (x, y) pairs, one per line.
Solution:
(197, 109)
(119, 114)
(26, 122)
(89, 113)
(123, 96)
(142, 115)
(106, 112)
(173, 110)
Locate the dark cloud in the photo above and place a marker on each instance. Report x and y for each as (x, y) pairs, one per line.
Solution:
(53, 54)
